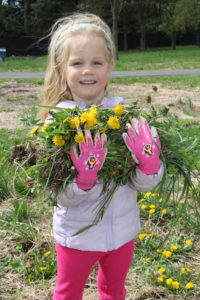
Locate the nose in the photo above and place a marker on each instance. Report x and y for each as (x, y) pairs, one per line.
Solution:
(87, 70)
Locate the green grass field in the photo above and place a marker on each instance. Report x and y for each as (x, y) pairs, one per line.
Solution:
(184, 57)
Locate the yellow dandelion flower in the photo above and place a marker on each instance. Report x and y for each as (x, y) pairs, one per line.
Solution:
(161, 200)
(93, 111)
(74, 123)
(119, 109)
(141, 200)
(167, 253)
(189, 285)
(142, 236)
(34, 130)
(160, 279)
(169, 281)
(172, 198)
(181, 202)
(91, 121)
(143, 207)
(147, 259)
(102, 129)
(79, 138)
(148, 194)
(45, 126)
(174, 247)
(158, 195)
(152, 206)
(175, 285)
(84, 117)
(183, 270)
(113, 123)
(161, 270)
(164, 211)
(152, 211)
(47, 253)
(58, 140)
(158, 251)
(188, 242)
(42, 268)
(26, 266)
(188, 270)
(153, 195)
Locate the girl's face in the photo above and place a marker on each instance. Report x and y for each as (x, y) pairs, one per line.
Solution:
(88, 69)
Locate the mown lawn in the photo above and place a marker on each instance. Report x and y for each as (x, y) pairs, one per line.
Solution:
(184, 57)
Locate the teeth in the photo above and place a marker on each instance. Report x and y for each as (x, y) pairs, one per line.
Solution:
(88, 82)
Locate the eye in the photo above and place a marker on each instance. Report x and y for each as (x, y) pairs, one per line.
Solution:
(97, 63)
(76, 63)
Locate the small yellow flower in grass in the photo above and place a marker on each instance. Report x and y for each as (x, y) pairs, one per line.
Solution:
(152, 206)
(142, 236)
(153, 195)
(45, 126)
(84, 117)
(119, 109)
(188, 270)
(74, 123)
(26, 266)
(183, 270)
(169, 281)
(161, 200)
(79, 138)
(113, 123)
(158, 251)
(167, 253)
(152, 210)
(175, 285)
(34, 130)
(164, 211)
(42, 268)
(174, 247)
(181, 202)
(189, 285)
(29, 278)
(160, 279)
(58, 140)
(47, 253)
(161, 270)
(188, 242)
(93, 111)
(143, 207)
(141, 200)
(172, 198)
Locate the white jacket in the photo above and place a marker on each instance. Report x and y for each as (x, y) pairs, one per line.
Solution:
(77, 208)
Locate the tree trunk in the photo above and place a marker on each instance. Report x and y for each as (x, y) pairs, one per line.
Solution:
(125, 34)
(143, 37)
(173, 40)
(27, 15)
(115, 14)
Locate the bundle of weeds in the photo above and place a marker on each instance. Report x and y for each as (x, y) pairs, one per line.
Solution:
(179, 152)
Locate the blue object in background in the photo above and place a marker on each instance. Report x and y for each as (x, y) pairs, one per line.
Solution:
(3, 54)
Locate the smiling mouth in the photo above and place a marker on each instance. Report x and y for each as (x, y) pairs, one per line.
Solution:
(88, 82)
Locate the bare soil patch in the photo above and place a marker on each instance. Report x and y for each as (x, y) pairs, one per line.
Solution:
(17, 99)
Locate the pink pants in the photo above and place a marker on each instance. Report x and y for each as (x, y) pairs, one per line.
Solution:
(74, 267)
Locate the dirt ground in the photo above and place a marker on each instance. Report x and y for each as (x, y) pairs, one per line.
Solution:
(17, 99)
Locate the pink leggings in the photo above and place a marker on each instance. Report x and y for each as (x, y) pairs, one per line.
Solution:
(74, 267)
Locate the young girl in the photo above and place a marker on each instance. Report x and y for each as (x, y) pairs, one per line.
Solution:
(81, 57)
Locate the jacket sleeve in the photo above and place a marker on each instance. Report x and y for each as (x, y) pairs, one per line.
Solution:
(143, 182)
(72, 195)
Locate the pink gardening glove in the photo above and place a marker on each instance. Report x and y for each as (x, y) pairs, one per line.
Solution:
(142, 145)
(91, 159)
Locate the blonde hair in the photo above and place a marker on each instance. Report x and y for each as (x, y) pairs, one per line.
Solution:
(55, 85)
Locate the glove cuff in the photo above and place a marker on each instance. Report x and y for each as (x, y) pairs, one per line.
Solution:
(85, 182)
(150, 169)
